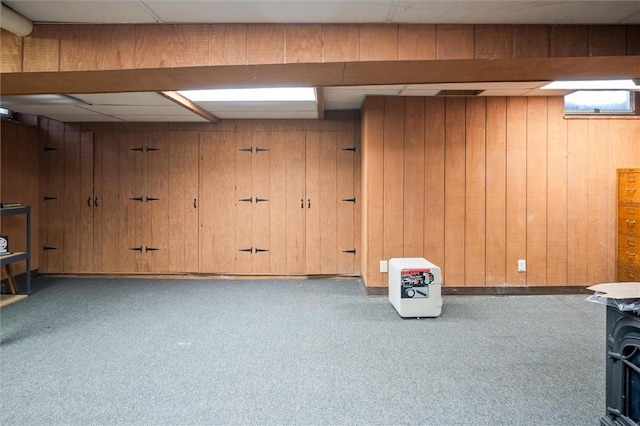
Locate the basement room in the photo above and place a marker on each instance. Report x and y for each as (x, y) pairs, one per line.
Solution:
(305, 212)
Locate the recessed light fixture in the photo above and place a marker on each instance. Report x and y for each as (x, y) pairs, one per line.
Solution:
(271, 94)
(592, 85)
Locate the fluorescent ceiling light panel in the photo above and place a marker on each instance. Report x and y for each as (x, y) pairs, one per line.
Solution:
(277, 94)
(592, 85)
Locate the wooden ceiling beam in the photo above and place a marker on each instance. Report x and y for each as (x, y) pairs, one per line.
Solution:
(188, 104)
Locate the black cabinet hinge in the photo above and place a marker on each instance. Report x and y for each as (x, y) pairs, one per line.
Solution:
(50, 198)
(248, 250)
(47, 248)
(258, 149)
(147, 199)
(139, 149)
(136, 199)
(353, 251)
(150, 148)
(246, 200)
(352, 149)
(250, 149)
(350, 200)
(151, 249)
(259, 250)
(49, 149)
(261, 200)
(136, 249)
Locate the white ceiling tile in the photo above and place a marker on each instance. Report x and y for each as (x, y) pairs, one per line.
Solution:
(162, 118)
(133, 98)
(505, 92)
(71, 118)
(52, 109)
(148, 110)
(97, 12)
(420, 92)
(271, 11)
(214, 107)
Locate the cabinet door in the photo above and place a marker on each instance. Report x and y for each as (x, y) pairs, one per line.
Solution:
(225, 202)
(52, 208)
(286, 203)
(330, 203)
(155, 207)
(106, 202)
(183, 202)
(78, 201)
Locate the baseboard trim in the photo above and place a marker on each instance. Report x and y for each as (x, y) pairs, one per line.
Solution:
(495, 291)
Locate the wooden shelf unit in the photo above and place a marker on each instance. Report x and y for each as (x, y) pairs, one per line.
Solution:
(13, 257)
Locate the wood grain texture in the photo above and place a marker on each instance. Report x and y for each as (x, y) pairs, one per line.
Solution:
(72, 201)
(493, 41)
(294, 144)
(516, 220)
(41, 49)
(312, 191)
(327, 203)
(475, 198)
(87, 200)
(190, 45)
(416, 42)
(597, 170)
(340, 43)
(454, 195)
(569, 40)
(496, 188)
(378, 42)
(54, 206)
(393, 178)
(536, 191)
(265, 44)
(633, 40)
(153, 46)
(228, 44)
(577, 202)
(455, 42)
(414, 181)
(260, 170)
(372, 189)
(557, 208)
(434, 181)
(11, 52)
(346, 218)
(116, 47)
(78, 48)
(531, 41)
(607, 40)
(303, 43)
(154, 212)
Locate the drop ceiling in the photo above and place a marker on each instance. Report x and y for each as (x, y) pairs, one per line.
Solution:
(151, 106)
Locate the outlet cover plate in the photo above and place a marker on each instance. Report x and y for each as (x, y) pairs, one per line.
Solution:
(522, 265)
(383, 266)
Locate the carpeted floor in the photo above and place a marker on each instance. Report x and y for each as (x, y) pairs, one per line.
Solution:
(198, 352)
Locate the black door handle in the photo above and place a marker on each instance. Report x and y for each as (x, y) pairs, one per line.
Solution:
(89, 202)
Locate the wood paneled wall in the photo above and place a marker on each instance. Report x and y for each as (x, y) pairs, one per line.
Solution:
(20, 182)
(136, 46)
(474, 184)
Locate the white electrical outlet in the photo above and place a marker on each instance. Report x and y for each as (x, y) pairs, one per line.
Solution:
(522, 265)
(383, 266)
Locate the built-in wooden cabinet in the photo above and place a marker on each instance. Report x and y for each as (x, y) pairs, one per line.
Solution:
(147, 196)
(260, 201)
(68, 202)
(628, 224)
(278, 202)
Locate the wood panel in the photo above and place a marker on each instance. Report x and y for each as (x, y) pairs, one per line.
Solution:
(228, 44)
(516, 220)
(393, 178)
(557, 209)
(265, 44)
(496, 188)
(303, 43)
(569, 40)
(577, 202)
(633, 40)
(260, 188)
(53, 205)
(11, 52)
(414, 181)
(455, 42)
(72, 201)
(475, 188)
(153, 46)
(379, 42)
(340, 43)
(117, 47)
(531, 41)
(346, 210)
(190, 45)
(41, 49)
(434, 174)
(597, 237)
(536, 191)
(455, 205)
(607, 40)
(493, 41)
(130, 207)
(218, 195)
(327, 203)
(78, 48)
(20, 164)
(154, 211)
(313, 244)
(416, 42)
(183, 235)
